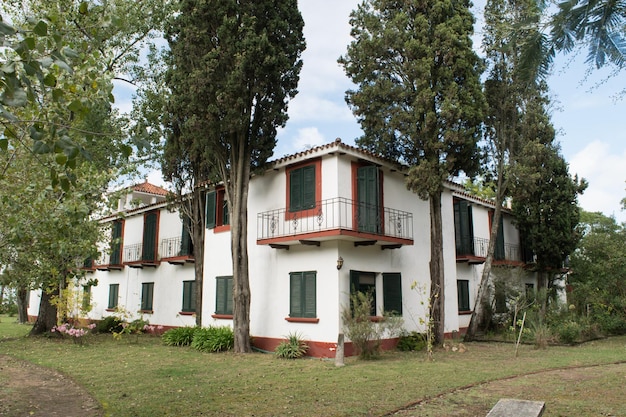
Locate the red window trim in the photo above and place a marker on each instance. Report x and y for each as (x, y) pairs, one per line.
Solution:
(318, 189)
(220, 196)
(222, 316)
(302, 320)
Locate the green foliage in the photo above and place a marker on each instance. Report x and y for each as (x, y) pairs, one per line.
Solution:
(569, 332)
(109, 324)
(180, 336)
(366, 335)
(412, 342)
(213, 339)
(293, 347)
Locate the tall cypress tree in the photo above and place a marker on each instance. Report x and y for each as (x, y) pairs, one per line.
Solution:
(234, 66)
(419, 100)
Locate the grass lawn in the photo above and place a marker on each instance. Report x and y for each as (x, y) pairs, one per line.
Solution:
(141, 377)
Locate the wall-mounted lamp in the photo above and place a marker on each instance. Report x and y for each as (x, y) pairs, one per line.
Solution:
(339, 263)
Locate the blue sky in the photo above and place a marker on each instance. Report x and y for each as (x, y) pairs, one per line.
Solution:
(590, 119)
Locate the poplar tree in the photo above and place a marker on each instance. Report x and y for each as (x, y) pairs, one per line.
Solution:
(419, 101)
(234, 66)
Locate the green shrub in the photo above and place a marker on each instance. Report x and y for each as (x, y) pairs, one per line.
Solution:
(293, 347)
(213, 339)
(110, 324)
(180, 336)
(412, 342)
(569, 332)
(366, 335)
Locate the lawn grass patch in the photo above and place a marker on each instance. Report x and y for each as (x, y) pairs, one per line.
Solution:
(10, 328)
(142, 377)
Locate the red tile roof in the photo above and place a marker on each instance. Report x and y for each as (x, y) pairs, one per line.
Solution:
(148, 188)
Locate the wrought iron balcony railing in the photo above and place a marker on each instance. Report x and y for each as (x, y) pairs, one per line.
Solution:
(477, 247)
(132, 253)
(173, 247)
(335, 214)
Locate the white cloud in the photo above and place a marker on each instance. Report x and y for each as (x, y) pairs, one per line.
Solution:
(605, 170)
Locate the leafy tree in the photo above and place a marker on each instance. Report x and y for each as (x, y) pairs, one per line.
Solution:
(511, 99)
(234, 66)
(545, 207)
(599, 25)
(598, 268)
(56, 116)
(419, 100)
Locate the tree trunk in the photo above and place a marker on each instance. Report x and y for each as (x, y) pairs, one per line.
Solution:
(22, 305)
(478, 315)
(197, 235)
(47, 317)
(437, 279)
(237, 189)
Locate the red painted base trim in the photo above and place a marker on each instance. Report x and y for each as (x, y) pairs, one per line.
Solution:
(317, 349)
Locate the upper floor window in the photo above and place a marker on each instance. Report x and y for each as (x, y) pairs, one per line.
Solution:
(117, 229)
(304, 187)
(150, 228)
(463, 228)
(217, 215)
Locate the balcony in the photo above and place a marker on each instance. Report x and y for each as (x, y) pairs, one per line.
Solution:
(173, 251)
(108, 262)
(336, 219)
(136, 257)
(474, 251)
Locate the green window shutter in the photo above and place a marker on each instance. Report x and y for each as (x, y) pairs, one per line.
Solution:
(499, 249)
(149, 237)
(308, 187)
(302, 294)
(295, 190)
(147, 291)
(186, 245)
(463, 228)
(309, 294)
(116, 243)
(368, 196)
(189, 296)
(224, 295)
(392, 293)
(302, 188)
(210, 210)
(113, 295)
(295, 294)
(462, 288)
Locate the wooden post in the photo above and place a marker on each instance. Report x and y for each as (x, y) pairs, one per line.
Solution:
(339, 351)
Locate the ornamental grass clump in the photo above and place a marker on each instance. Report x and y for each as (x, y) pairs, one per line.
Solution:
(213, 339)
(293, 347)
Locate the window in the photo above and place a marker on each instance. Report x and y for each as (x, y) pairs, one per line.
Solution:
(224, 295)
(217, 209)
(189, 296)
(114, 290)
(150, 226)
(530, 291)
(186, 242)
(147, 292)
(303, 187)
(364, 282)
(302, 294)
(368, 197)
(116, 242)
(463, 228)
(500, 296)
(462, 293)
(86, 297)
(392, 293)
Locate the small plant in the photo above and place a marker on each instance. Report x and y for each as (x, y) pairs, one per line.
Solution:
(569, 332)
(180, 336)
(76, 333)
(366, 335)
(293, 347)
(412, 342)
(109, 324)
(213, 339)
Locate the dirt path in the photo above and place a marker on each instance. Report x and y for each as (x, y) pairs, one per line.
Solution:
(30, 390)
